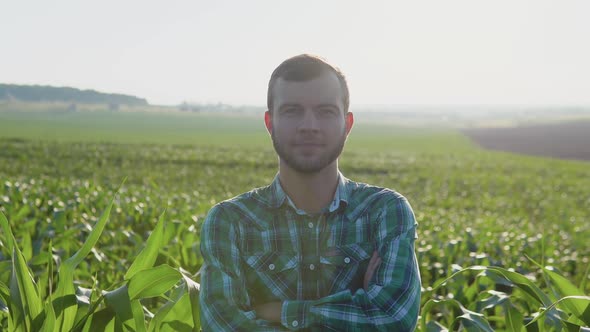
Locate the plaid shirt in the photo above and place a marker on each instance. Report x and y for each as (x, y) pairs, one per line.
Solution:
(259, 248)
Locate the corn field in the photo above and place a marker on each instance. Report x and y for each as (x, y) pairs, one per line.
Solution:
(102, 234)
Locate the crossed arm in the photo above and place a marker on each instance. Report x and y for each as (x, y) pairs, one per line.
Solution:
(388, 301)
(272, 311)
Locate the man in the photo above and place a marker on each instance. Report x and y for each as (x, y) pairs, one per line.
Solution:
(313, 250)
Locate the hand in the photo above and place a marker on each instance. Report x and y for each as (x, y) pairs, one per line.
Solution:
(373, 264)
(269, 311)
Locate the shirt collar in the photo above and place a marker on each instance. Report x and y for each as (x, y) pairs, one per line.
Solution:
(340, 196)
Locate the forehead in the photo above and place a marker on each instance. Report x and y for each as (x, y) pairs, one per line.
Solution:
(324, 89)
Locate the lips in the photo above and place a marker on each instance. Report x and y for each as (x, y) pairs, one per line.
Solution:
(309, 144)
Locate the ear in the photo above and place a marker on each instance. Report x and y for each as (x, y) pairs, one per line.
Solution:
(349, 121)
(268, 121)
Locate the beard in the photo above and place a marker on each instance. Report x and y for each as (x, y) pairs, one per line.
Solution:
(308, 165)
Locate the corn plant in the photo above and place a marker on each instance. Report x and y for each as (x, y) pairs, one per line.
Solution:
(72, 308)
(506, 221)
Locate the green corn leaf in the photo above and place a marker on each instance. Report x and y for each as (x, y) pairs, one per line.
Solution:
(138, 316)
(16, 321)
(514, 319)
(119, 302)
(93, 237)
(23, 212)
(433, 326)
(566, 288)
(528, 287)
(580, 309)
(573, 324)
(193, 290)
(5, 271)
(50, 268)
(4, 296)
(505, 276)
(473, 322)
(522, 282)
(148, 255)
(83, 321)
(494, 299)
(7, 232)
(49, 322)
(178, 315)
(27, 246)
(40, 258)
(84, 301)
(59, 220)
(25, 304)
(19, 319)
(102, 320)
(585, 277)
(43, 280)
(431, 304)
(65, 296)
(160, 316)
(153, 282)
(574, 298)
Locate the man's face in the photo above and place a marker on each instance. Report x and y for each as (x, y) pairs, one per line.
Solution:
(308, 125)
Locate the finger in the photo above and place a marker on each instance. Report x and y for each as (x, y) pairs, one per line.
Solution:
(375, 260)
(371, 267)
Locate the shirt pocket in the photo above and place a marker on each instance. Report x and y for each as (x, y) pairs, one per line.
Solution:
(271, 276)
(344, 267)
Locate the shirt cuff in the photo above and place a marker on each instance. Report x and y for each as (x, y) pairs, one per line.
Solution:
(295, 314)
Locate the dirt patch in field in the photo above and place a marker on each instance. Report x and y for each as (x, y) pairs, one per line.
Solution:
(569, 140)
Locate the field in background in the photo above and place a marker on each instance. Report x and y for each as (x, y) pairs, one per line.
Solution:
(474, 207)
(566, 140)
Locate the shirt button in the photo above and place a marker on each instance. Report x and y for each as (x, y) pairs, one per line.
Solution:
(311, 267)
(347, 260)
(310, 225)
(295, 323)
(271, 267)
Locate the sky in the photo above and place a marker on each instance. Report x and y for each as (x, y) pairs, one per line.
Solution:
(452, 52)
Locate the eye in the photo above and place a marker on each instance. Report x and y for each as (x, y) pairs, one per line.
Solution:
(290, 110)
(328, 111)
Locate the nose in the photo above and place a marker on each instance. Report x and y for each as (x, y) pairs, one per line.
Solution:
(309, 122)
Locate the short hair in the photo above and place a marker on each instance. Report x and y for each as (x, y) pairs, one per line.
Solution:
(305, 67)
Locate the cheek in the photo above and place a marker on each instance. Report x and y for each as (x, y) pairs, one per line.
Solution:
(281, 133)
(284, 127)
(337, 130)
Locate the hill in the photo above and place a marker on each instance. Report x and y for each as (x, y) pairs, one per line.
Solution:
(39, 93)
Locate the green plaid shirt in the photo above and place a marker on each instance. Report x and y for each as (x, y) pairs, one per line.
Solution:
(258, 248)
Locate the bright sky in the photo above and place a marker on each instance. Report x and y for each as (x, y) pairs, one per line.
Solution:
(393, 52)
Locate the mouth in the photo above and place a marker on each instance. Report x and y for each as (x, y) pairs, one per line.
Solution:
(308, 144)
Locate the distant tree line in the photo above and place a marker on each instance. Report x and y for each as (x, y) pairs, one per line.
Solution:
(38, 93)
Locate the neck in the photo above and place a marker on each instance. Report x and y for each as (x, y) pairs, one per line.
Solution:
(310, 192)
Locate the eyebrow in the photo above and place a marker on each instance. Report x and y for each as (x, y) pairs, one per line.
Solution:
(328, 105)
(289, 105)
(283, 106)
